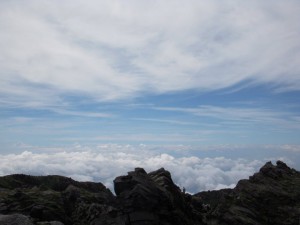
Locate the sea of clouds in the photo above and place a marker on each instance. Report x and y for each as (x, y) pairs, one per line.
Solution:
(104, 163)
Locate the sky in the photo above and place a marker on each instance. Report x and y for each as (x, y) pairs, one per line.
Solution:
(92, 89)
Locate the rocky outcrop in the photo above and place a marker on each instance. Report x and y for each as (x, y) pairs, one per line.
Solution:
(153, 199)
(53, 200)
(15, 219)
(271, 196)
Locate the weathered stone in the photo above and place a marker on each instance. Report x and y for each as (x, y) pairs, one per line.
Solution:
(271, 196)
(50, 223)
(15, 219)
(153, 198)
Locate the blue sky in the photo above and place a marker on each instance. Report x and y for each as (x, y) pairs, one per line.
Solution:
(197, 79)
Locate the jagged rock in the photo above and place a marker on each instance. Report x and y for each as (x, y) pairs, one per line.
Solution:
(15, 219)
(153, 199)
(52, 198)
(271, 196)
(50, 223)
(139, 191)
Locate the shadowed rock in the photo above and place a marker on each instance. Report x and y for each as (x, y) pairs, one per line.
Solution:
(271, 196)
(15, 219)
(153, 199)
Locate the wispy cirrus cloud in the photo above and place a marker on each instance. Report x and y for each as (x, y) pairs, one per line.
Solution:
(152, 137)
(82, 113)
(168, 121)
(240, 115)
(287, 147)
(96, 71)
(112, 50)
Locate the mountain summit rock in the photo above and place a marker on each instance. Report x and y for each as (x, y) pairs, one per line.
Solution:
(270, 196)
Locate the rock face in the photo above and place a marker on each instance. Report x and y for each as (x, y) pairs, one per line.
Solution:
(153, 199)
(271, 196)
(53, 200)
(15, 219)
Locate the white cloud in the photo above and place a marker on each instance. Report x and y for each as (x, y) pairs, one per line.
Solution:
(106, 162)
(115, 50)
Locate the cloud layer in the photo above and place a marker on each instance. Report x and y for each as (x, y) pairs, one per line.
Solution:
(62, 57)
(115, 50)
(109, 161)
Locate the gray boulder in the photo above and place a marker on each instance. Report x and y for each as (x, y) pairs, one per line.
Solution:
(15, 219)
(50, 223)
(153, 199)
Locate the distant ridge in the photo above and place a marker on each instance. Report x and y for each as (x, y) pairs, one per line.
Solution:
(271, 196)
